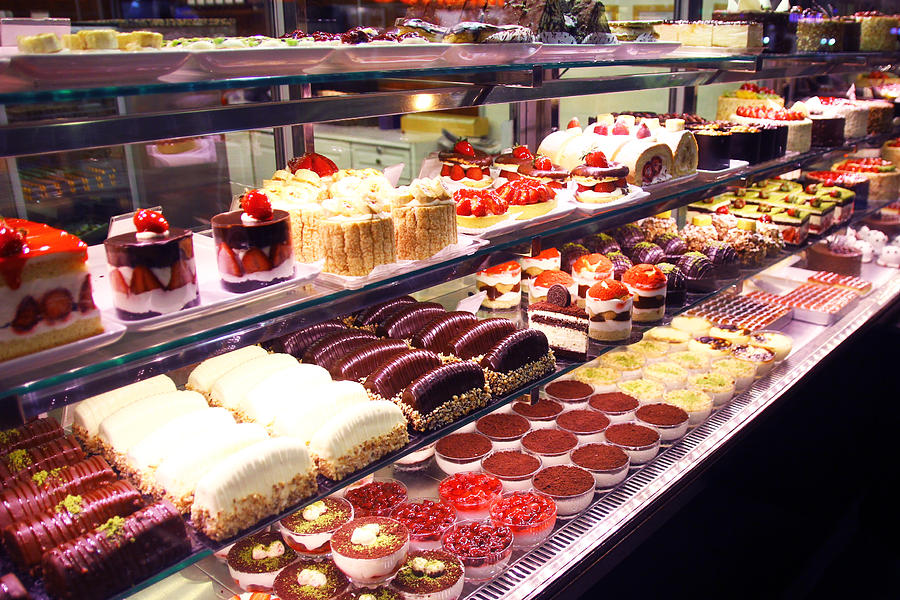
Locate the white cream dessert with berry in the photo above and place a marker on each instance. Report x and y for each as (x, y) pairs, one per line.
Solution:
(609, 304)
(503, 285)
(532, 266)
(309, 531)
(546, 280)
(588, 270)
(647, 285)
(370, 549)
(255, 561)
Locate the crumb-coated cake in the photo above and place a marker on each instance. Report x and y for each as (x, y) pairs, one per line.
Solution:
(29, 435)
(518, 358)
(46, 287)
(152, 270)
(10, 586)
(424, 216)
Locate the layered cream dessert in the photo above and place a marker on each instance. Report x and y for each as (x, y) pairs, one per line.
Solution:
(647, 391)
(255, 561)
(309, 531)
(628, 364)
(743, 372)
(670, 374)
(717, 385)
(697, 404)
(609, 305)
(647, 285)
(532, 266)
(370, 550)
(503, 285)
(546, 280)
(588, 270)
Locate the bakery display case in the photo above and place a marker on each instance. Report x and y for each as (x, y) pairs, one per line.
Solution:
(464, 397)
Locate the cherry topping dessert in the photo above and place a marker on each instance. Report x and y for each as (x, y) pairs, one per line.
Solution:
(320, 165)
(426, 520)
(12, 241)
(520, 510)
(149, 220)
(377, 498)
(470, 493)
(479, 545)
(464, 147)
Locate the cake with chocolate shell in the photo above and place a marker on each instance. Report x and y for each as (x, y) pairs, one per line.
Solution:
(598, 180)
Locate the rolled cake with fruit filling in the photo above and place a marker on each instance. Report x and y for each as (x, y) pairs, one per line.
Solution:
(685, 151)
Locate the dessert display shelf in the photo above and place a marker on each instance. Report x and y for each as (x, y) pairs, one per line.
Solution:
(140, 354)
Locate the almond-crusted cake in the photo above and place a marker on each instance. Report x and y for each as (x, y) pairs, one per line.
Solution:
(424, 216)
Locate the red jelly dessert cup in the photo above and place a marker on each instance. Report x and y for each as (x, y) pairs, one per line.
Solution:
(530, 515)
(376, 499)
(427, 521)
(483, 548)
(471, 494)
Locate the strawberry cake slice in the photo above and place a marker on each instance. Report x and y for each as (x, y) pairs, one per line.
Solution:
(798, 124)
(883, 176)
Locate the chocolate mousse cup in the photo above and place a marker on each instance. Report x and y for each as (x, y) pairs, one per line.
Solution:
(585, 424)
(551, 445)
(607, 463)
(616, 406)
(461, 452)
(670, 422)
(639, 442)
(253, 254)
(504, 430)
(513, 468)
(370, 550)
(541, 414)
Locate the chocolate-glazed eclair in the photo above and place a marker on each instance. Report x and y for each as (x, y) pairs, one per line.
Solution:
(362, 361)
(437, 333)
(75, 515)
(20, 464)
(47, 488)
(409, 319)
(518, 358)
(332, 347)
(443, 395)
(30, 435)
(116, 555)
(398, 371)
(479, 337)
(377, 313)
(296, 344)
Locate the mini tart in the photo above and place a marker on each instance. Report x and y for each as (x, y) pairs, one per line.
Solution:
(763, 358)
(430, 575)
(645, 390)
(676, 338)
(775, 341)
(733, 333)
(527, 198)
(309, 530)
(717, 384)
(259, 574)
(711, 346)
(497, 210)
(310, 580)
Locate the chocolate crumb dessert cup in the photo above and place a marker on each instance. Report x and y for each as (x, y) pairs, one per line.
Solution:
(551, 445)
(541, 414)
(572, 488)
(570, 392)
(607, 463)
(585, 424)
(461, 452)
(616, 406)
(513, 468)
(504, 430)
(640, 443)
(670, 422)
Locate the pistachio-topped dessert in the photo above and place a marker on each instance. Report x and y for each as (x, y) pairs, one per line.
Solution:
(651, 350)
(367, 593)
(430, 575)
(310, 580)
(670, 374)
(645, 390)
(627, 363)
(255, 561)
(309, 530)
(602, 378)
(697, 404)
(717, 384)
(370, 550)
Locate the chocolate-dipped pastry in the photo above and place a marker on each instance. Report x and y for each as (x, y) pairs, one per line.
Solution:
(437, 333)
(389, 378)
(253, 252)
(409, 319)
(516, 350)
(12, 589)
(24, 500)
(676, 285)
(602, 243)
(296, 344)
(698, 270)
(569, 253)
(479, 337)
(647, 253)
(333, 346)
(478, 159)
(29, 435)
(671, 244)
(75, 515)
(621, 263)
(555, 174)
(723, 258)
(615, 170)
(20, 464)
(444, 394)
(376, 313)
(628, 235)
(116, 555)
(362, 361)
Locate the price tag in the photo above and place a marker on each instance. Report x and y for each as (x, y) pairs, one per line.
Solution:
(472, 303)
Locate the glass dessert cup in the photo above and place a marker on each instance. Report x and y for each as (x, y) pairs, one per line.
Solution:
(426, 575)
(540, 415)
(606, 476)
(676, 338)
(762, 358)
(774, 340)
(671, 426)
(697, 404)
(366, 479)
(694, 362)
(628, 364)
(717, 385)
(585, 424)
(483, 548)
(501, 441)
(477, 448)
(427, 520)
(646, 391)
(530, 515)
(415, 461)
(653, 351)
(471, 494)
(376, 555)
(670, 374)
(311, 538)
(618, 407)
(638, 453)
(568, 505)
(603, 379)
(512, 479)
(740, 370)
(377, 499)
(256, 560)
(571, 393)
(552, 446)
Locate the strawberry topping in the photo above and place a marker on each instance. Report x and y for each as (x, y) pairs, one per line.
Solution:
(256, 204)
(596, 159)
(12, 241)
(511, 267)
(759, 112)
(465, 148)
(644, 276)
(573, 123)
(522, 153)
(553, 277)
(320, 165)
(149, 220)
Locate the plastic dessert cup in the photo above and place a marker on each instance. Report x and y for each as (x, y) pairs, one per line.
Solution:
(670, 422)
(551, 445)
(370, 550)
(376, 499)
(541, 415)
(366, 479)
(255, 561)
(653, 351)
(646, 391)
(776, 341)
(607, 463)
(309, 531)
(471, 494)
(483, 548)
(427, 520)
(585, 424)
(639, 442)
(513, 468)
(670, 374)
(710, 346)
(461, 452)
(428, 575)
(504, 430)
(530, 515)
(740, 370)
(628, 364)
(694, 362)
(697, 404)
(676, 338)
(572, 488)
(570, 392)
(415, 461)
(618, 407)
(604, 379)
(763, 358)
(717, 385)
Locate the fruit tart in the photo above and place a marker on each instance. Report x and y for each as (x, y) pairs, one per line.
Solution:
(598, 180)
(479, 209)
(466, 167)
(883, 176)
(527, 198)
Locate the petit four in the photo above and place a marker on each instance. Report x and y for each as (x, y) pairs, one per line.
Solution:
(443, 395)
(255, 561)
(436, 334)
(476, 339)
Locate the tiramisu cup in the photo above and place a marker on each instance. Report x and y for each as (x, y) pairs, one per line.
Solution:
(607, 463)
(639, 442)
(587, 425)
(572, 488)
(533, 266)
(551, 445)
(461, 452)
(514, 469)
(504, 430)
(618, 407)
(503, 285)
(429, 575)
(698, 405)
(543, 282)
(541, 414)
(371, 549)
(570, 392)
(609, 305)
(588, 270)
(669, 421)
(647, 285)
(309, 531)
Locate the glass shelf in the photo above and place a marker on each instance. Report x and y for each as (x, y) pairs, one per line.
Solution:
(139, 355)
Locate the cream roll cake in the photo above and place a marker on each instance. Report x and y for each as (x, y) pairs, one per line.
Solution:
(231, 389)
(260, 480)
(503, 284)
(88, 414)
(302, 417)
(204, 375)
(609, 306)
(546, 280)
(358, 435)
(277, 392)
(588, 270)
(532, 266)
(647, 285)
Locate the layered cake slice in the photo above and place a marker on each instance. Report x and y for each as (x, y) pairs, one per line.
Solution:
(749, 94)
(502, 284)
(152, 270)
(46, 287)
(609, 306)
(883, 176)
(520, 357)
(563, 322)
(443, 395)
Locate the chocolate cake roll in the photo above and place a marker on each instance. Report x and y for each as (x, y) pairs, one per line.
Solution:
(602, 243)
(520, 357)
(724, 259)
(27, 541)
(359, 363)
(21, 464)
(647, 253)
(12, 589)
(45, 489)
(437, 333)
(116, 555)
(479, 337)
(676, 284)
(621, 263)
(29, 435)
(392, 376)
(409, 319)
(296, 344)
(443, 395)
(330, 348)
(377, 313)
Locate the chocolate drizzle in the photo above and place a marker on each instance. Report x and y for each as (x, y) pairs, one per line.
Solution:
(30, 435)
(296, 344)
(376, 313)
(479, 338)
(20, 464)
(362, 361)
(437, 332)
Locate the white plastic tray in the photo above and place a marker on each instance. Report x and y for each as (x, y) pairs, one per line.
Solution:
(249, 62)
(376, 56)
(635, 194)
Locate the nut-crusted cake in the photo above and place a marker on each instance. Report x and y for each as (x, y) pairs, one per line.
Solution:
(424, 216)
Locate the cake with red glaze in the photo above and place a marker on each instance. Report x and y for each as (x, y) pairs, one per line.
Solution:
(599, 180)
(883, 176)
(253, 245)
(478, 209)
(311, 161)
(12, 589)
(588, 270)
(532, 266)
(46, 288)
(528, 197)
(466, 166)
(609, 306)
(542, 170)
(854, 182)
(543, 282)
(647, 285)
(503, 285)
(152, 270)
(799, 125)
